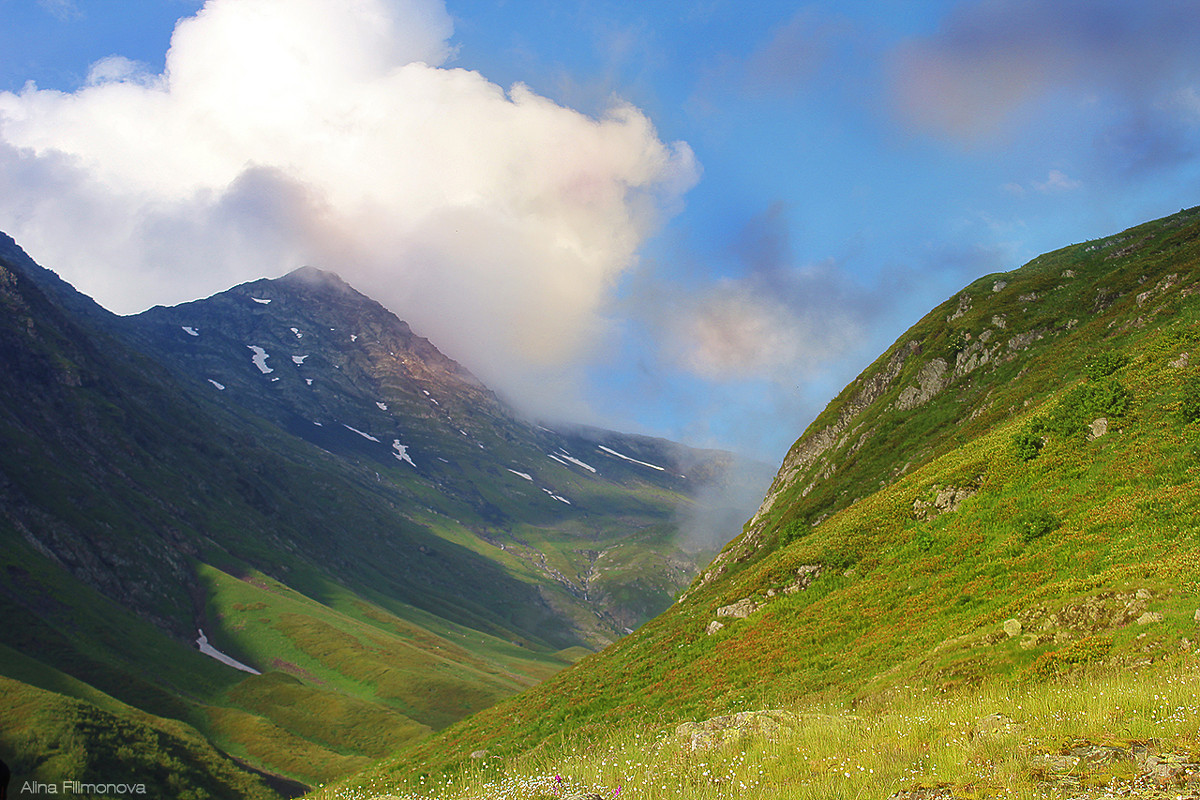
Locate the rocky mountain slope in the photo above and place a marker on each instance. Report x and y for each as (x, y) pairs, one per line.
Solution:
(180, 565)
(1009, 496)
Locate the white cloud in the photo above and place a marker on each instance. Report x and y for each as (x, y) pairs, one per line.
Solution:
(328, 132)
(781, 328)
(65, 10)
(1056, 181)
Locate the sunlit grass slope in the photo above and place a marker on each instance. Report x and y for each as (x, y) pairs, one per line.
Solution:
(1010, 495)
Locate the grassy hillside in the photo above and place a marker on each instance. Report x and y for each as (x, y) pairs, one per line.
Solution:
(1005, 500)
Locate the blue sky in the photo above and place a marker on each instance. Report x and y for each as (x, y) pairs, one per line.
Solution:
(698, 220)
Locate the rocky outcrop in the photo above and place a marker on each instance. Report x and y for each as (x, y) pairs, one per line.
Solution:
(735, 728)
(946, 499)
(739, 610)
(932, 378)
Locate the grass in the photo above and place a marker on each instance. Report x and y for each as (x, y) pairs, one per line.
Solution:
(905, 739)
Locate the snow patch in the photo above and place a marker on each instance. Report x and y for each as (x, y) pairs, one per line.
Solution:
(520, 474)
(308, 381)
(212, 652)
(260, 359)
(296, 331)
(319, 425)
(564, 454)
(632, 460)
(298, 360)
(401, 451)
(360, 433)
(353, 336)
(261, 301)
(556, 458)
(220, 386)
(556, 497)
(190, 331)
(382, 406)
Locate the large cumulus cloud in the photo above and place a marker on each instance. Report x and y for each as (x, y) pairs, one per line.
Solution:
(331, 132)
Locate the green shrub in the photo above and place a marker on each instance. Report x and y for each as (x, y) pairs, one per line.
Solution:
(1101, 398)
(1189, 402)
(1027, 443)
(1104, 365)
(793, 531)
(1037, 524)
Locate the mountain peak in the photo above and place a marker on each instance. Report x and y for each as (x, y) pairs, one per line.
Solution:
(313, 277)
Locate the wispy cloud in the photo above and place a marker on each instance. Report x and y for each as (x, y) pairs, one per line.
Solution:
(286, 132)
(992, 59)
(65, 10)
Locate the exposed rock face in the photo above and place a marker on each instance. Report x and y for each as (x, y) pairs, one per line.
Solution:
(814, 443)
(932, 379)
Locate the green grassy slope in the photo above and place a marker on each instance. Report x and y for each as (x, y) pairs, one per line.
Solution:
(958, 516)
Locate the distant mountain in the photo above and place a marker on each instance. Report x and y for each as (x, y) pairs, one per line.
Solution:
(335, 368)
(285, 474)
(1008, 496)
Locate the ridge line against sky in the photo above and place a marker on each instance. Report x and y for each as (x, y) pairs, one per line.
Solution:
(698, 221)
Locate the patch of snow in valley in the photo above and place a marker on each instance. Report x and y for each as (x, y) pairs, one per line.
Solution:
(353, 336)
(382, 406)
(564, 454)
(260, 359)
(308, 381)
(220, 386)
(520, 474)
(296, 331)
(319, 425)
(190, 331)
(633, 460)
(556, 497)
(298, 360)
(556, 458)
(401, 451)
(212, 652)
(360, 433)
(261, 301)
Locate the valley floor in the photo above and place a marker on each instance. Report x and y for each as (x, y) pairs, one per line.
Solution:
(1119, 733)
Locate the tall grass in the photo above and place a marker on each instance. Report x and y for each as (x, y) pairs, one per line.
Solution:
(908, 738)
